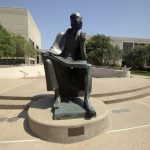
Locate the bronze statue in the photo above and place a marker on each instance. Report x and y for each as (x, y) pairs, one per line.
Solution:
(67, 72)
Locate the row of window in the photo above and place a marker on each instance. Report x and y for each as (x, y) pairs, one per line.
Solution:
(127, 45)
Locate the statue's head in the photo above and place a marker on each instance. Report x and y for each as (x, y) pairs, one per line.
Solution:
(76, 21)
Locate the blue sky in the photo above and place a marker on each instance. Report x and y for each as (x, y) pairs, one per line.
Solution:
(127, 18)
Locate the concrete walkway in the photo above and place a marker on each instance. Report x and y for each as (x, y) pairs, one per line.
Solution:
(29, 87)
(129, 121)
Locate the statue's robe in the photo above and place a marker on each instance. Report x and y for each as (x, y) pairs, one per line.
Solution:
(70, 71)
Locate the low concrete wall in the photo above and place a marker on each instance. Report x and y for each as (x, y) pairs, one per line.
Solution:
(38, 70)
(22, 71)
(108, 73)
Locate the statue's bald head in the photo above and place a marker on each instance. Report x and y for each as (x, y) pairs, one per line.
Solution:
(76, 20)
(74, 16)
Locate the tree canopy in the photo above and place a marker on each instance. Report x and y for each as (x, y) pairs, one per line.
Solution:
(12, 45)
(100, 51)
(7, 44)
(23, 47)
(138, 57)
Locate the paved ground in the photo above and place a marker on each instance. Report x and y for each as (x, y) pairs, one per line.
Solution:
(129, 122)
(22, 87)
(32, 86)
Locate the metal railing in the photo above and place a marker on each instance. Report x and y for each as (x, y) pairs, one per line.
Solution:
(24, 73)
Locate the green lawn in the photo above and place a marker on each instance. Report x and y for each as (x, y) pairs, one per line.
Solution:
(139, 72)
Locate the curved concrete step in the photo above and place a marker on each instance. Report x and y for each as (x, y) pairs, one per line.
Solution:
(127, 98)
(119, 92)
(14, 104)
(17, 102)
(124, 97)
(8, 102)
(3, 97)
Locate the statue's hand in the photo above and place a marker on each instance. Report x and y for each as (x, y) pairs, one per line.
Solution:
(45, 55)
(82, 37)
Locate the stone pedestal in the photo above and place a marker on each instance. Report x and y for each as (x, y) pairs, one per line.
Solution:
(65, 131)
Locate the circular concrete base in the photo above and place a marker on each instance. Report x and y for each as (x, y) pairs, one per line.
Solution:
(65, 131)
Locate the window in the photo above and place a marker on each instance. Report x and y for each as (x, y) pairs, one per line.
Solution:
(139, 44)
(127, 46)
(31, 42)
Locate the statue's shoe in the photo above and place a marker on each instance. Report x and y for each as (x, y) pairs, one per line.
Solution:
(56, 104)
(90, 112)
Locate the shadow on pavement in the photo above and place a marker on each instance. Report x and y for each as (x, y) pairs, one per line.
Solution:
(24, 115)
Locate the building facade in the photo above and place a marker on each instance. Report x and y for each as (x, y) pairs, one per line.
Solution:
(20, 21)
(125, 42)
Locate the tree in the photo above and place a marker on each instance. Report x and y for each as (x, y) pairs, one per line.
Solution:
(23, 47)
(20, 43)
(7, 44)
(138, 57)
(30, 51)
(95, 57)
(147, 49)
(101, 52)
(116, 54)
(14, 45)
(96, 47)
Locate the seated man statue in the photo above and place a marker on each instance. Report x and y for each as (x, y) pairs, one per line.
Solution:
(67, 72)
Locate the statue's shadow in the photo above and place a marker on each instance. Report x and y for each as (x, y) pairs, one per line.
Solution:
(24, 114)
(71, 108)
